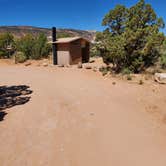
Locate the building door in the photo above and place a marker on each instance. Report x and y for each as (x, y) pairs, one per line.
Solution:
(63, 58)
(85, 53)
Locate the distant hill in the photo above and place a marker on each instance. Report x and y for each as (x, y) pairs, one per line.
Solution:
(19, 31)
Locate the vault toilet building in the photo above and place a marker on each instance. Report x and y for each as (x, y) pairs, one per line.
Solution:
(70, 51)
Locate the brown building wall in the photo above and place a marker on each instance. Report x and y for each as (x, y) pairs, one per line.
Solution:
(75, 52)
(63, 47)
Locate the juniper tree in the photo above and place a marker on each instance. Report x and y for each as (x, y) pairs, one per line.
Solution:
(132, 37)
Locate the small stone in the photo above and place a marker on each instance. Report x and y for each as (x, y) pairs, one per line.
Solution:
(113, 83)
(88, 67)
(79, 65)
(61, 65)
(27, 63)
(91, 61)
(92, 114)
(45, 64)
(95, 69)
(68, 66)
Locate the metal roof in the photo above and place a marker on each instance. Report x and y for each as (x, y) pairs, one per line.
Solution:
(68, 40)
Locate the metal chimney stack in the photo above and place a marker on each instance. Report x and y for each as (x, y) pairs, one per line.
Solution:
(54, 46)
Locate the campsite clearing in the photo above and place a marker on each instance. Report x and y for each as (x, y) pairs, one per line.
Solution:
(76, 117)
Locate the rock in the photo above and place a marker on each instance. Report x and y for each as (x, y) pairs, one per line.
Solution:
(61, 65)
(68, 66)
(153, 70)
(160, 78)
(92, 114)
(45, 64)
(88, 67)
(91, 61)
(27, 63)
(113, 83)
(79, 65)
(95, 69)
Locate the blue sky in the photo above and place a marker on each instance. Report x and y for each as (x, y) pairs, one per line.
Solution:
(78, 14)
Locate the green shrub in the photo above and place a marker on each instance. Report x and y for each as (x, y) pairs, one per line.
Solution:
(34, 47)
(26, 44)
(126, 71)
(20, 57)
(103, 70)
(41, 48)
(94, 52)
(6, 45)
(163, 61)
(104, 73)
(129, 77)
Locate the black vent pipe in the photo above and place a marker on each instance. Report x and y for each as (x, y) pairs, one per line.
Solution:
(54, 46)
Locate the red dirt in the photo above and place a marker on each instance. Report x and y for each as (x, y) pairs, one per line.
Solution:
(78, 118)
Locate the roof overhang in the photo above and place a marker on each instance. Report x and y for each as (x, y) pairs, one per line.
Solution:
(68, 40)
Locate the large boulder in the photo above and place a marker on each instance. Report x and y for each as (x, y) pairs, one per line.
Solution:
(160, 78)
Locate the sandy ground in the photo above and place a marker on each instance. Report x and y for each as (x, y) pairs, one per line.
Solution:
(76, 117)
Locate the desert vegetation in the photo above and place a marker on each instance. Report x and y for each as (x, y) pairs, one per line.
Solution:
(108, 111)
(163, 55)
(132, 40)
(24, 48)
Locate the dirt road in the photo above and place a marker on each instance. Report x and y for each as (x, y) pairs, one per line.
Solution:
(78, 118)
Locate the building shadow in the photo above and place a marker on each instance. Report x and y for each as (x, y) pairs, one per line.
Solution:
(11, 96)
